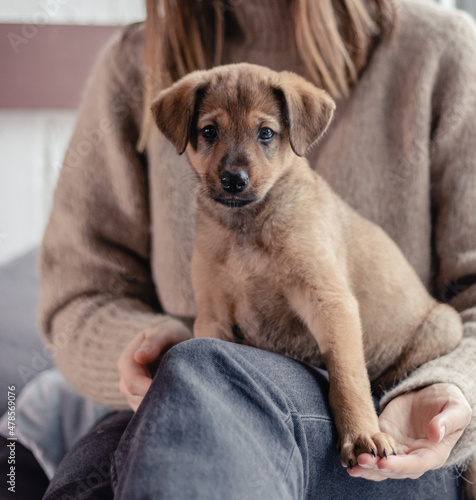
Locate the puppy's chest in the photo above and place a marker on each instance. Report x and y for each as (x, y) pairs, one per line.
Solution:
(253, 282)
(252, 265)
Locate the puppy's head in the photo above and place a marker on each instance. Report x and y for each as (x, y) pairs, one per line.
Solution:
(241, 125)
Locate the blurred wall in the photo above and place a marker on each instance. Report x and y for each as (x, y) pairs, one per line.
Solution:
(47, 48)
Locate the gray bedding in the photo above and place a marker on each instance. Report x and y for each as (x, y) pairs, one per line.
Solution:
(22, 351)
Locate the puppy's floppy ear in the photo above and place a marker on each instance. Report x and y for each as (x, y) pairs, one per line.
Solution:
(308, 111)
(174, 108)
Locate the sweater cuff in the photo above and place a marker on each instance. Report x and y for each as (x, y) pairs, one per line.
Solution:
(88, 338)
(458, 368)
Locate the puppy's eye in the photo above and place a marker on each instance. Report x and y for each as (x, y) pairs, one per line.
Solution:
(266, 135)
(209, 133)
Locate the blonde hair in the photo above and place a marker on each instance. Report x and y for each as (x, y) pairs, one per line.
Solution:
(335, 39)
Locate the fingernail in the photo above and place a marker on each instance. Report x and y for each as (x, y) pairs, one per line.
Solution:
(144, 348)
(442, 434)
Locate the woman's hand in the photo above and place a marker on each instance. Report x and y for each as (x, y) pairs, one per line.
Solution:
(425, 425)
(147, 348)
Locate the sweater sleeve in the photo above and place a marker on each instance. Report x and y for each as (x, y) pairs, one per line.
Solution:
(96, 286)
(453, 155)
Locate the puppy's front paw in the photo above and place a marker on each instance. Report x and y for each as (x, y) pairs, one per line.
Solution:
(379, 443)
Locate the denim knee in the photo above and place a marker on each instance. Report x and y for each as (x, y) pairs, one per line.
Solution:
(198, 349)
(193, 359)
(211, 411)
(219, 362)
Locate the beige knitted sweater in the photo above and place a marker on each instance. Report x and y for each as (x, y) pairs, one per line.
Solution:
(402, 151)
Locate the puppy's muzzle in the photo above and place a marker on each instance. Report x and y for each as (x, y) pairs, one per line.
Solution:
(234, 182)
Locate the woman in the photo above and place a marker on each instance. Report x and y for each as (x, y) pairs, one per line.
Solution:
(221, 420)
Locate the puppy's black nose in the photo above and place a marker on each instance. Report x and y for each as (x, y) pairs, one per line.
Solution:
(234, 182)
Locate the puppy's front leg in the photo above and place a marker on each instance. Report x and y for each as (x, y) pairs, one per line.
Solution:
(213, 318)
(333, 319)
(204, 327)
(212, 324)
(213, 315)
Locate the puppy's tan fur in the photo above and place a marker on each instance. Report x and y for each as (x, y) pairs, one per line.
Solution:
(296, 270)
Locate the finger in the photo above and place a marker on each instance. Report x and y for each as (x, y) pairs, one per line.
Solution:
(379, 474)
(454, 418)
(134, 402)
(126, 357)
(385, 470)
(149, 351)
(367, 460)
(136, 379)
(129, 389)
(368, 468)
(369, 474)
(416, 463)
(152, 346)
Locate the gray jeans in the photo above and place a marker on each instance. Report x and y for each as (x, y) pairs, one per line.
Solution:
(225, 421)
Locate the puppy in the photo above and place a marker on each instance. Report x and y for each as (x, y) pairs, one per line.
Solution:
(280, 261)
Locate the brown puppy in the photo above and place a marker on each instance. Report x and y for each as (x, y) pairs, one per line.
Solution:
(280, 261)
